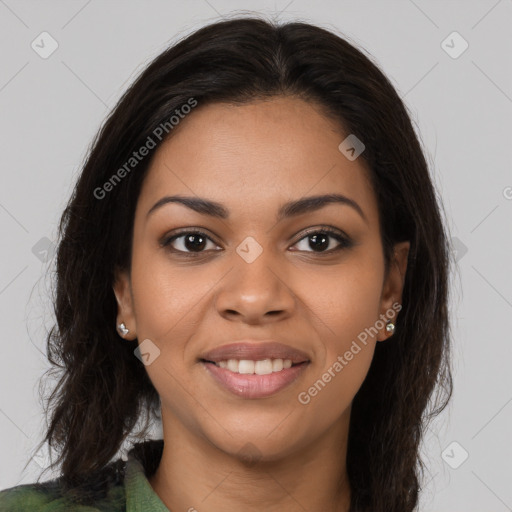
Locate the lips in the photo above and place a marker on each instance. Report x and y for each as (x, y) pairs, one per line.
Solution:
(255, 351)
(290, 364)
(255, 386)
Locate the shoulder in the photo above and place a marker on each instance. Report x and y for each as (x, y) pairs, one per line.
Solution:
(45, 496)
(50, 496)
(28, 496)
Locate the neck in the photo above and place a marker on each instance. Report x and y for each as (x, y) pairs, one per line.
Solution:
(195, 474)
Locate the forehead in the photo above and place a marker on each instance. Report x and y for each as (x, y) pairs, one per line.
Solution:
(256, 155)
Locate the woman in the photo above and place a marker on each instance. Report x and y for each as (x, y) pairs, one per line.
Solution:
(254, 252)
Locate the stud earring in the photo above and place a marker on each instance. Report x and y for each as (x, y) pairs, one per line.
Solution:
(390, 327)
(122, 329)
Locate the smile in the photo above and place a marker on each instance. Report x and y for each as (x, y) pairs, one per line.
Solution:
(255, 379)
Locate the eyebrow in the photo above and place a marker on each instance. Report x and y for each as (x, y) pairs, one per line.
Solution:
(290, 209)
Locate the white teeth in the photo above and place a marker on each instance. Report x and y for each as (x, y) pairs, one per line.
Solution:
(248, 367)
(263, 367)
(232, 365)
(277, 365)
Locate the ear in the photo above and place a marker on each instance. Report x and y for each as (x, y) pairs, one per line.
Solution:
(393, 286)
(124, 298)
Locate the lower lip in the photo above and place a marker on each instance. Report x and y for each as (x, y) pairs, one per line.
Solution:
(255, 386)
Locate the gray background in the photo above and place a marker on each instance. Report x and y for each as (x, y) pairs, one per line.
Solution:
(462, 108)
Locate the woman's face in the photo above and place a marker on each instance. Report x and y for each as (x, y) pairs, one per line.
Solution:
(257, 275)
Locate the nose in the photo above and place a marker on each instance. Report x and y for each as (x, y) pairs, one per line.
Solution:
(256, 292)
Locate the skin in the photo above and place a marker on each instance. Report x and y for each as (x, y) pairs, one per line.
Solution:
(252, 159)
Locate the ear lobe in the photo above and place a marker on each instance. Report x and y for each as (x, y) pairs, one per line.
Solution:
(125, 312)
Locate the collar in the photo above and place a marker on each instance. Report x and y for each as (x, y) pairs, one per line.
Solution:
(143, 459)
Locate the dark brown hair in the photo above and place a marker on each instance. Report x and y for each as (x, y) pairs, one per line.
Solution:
(104, 389)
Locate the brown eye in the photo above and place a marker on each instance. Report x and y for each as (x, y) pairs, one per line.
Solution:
(321, 241)
(188, 242)
(324, 240)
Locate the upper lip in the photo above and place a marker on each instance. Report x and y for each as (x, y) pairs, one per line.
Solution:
(255, 351)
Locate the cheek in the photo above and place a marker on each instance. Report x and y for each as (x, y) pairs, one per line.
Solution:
(167, 299)
(348, 305)
(164, 295)
(348, 299)
(347, 350)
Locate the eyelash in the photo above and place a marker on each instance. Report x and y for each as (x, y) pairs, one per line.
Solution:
(345, 242)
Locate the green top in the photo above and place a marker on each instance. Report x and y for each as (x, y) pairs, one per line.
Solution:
(130, 492)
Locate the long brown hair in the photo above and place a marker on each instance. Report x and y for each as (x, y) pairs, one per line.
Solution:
(104, 389)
